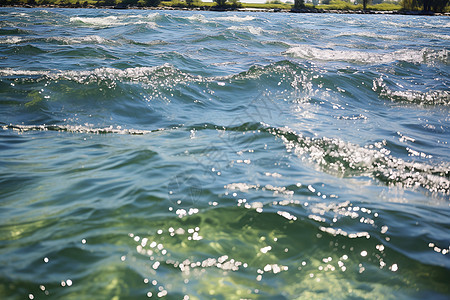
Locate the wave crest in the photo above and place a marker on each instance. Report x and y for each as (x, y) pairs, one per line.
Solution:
(138, 74)
(346, 159)
(438, 97)
(424, 55)
(77, 129)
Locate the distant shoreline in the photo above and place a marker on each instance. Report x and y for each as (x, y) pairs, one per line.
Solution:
(248, 9)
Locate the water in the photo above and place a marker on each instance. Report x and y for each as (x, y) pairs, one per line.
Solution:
(223, 155)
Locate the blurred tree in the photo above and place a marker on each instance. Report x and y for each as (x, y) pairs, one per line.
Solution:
(152, 2)
(220, 3)
(425, 5)
(108, 2)
(235, 3)
(130, 2)
(435, 5)
(299, 4)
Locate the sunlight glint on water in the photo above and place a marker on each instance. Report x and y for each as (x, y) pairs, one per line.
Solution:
(223, 155)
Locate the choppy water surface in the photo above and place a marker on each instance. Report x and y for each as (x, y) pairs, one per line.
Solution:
(192, 155)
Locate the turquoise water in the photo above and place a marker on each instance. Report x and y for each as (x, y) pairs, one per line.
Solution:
(206, 155)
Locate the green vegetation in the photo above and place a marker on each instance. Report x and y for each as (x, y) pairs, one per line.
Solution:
(187, 4)
(405, 5)
(267, 5)
(228, 4)
(427, 5)
(342, 5)
(385, 7)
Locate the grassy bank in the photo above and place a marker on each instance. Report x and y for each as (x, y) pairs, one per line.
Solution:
(341, 5)
(335, 5)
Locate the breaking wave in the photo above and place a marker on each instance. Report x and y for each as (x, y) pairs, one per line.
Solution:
(424, 55)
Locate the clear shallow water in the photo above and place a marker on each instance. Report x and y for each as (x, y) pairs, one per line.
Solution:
(223, 155)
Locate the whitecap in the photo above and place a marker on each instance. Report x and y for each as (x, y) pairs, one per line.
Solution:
(370, 35)
(76, 129)
(111, 21)
(424, 55)
(346, 159)
(98, 21)
(89, 39)
(252, 29)
(235, 18)
(12, 40)
(198, 18)
(12, 72)
(433, 97)
(151, 77)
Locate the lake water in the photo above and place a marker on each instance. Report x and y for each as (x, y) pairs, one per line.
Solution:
(208, 155)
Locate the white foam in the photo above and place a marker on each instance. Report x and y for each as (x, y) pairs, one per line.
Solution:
(12, 40)
(89, 39)
(138, 74)
(346, 159)
(436, 97)
(416, 56)
(152, 16)
(111, 21)
(413, 24)
(98, 21)
(198, 18)
(235, 18)
(12, 72)
(76, 129)
(438, 36)
(94, 39)
(370, 35)
(252, 29)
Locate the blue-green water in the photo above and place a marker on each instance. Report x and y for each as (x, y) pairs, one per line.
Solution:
(204, 155)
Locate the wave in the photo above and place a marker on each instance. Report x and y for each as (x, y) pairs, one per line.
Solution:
(148, 43)
(25, 50)
(424, 55)
(370, 35)
(12, 40)
(198, 18)
(300, 78)
(235, 18)
(13, 31)
(280, 68)
(139, 74)
(114, 21)
(152, 76)
(90, 39)
(78, 129)
(277, 43)
(437, 97)
(331, 155)
(414, 24)
(252, 29)
(345, 159)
